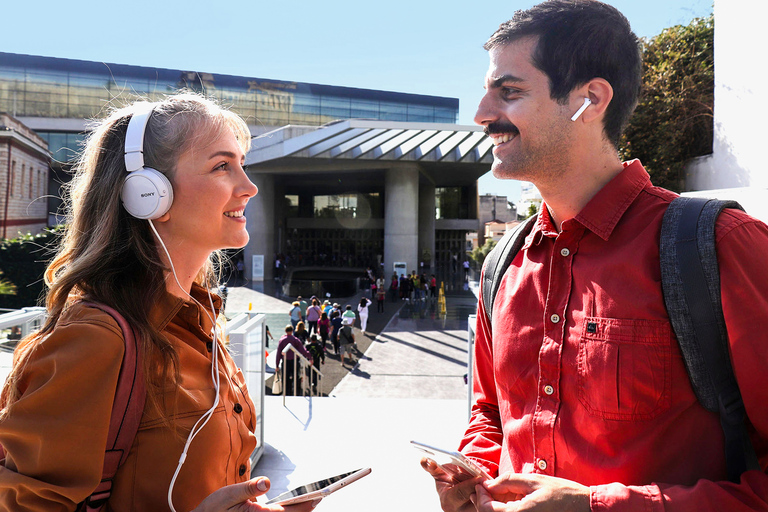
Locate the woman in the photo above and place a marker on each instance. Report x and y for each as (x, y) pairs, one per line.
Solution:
(301, 332)
(324, 326)
(313, 315)
(362, 310)
(56, 404)
(295, 313)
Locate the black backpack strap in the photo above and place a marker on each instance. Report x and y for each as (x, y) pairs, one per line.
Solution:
(499, 259)
(691, 284)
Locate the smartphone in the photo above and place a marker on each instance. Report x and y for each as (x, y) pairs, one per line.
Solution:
(319, 489)
(452, 461)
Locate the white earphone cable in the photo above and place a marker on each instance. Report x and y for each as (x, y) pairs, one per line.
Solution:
(215, 374)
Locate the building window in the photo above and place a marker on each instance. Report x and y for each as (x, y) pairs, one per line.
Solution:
(451, 203)
(13, 178)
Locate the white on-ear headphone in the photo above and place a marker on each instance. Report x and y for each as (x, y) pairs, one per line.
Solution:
(581, 110)
(146, 193)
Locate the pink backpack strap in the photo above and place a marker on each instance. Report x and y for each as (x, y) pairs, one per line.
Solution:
(126, 412)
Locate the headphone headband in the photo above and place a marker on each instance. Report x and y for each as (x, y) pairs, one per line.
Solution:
(134, 139)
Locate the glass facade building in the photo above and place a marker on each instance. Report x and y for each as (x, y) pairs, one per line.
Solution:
(32, 86)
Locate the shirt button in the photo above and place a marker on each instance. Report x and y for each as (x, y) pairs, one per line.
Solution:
(243, 469)
(542, 464)
(238, 408)
(555, 318)
(564, 252)
(549, 389)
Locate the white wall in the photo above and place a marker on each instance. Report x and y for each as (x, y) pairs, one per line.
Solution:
(741, 109)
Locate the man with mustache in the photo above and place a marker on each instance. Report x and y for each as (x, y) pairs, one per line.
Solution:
(581, 397)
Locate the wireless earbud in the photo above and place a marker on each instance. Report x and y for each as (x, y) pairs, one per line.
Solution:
(146, 193)
(581, 110)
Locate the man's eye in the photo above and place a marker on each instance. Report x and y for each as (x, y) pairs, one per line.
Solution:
(508, 92)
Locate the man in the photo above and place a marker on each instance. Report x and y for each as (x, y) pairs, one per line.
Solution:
(289, 339)
(348, 317)
(582, 401)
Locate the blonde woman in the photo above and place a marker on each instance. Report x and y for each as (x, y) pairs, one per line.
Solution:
(56, 404)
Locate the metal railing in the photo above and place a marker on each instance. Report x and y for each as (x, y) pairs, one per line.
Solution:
(27, 320)
(314, 373)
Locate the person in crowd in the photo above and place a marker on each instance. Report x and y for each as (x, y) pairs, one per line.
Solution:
(295, 313)
(346, 343)
(336, 323)
(313, 315)
(393, 287)
(581, 397)
(381, 298)
(324, 327)
(433, 286)
(287, 363)
(362, 311)
(301, 332)
(317, 350)
(405, 287)
(303, 305)
(348, 317)
(154, 265)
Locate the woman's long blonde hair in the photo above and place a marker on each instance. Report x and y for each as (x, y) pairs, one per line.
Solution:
(110, 257)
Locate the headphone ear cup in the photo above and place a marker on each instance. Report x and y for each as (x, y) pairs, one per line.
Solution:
(147, 194)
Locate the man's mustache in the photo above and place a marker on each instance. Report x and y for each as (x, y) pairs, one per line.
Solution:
(495, 128)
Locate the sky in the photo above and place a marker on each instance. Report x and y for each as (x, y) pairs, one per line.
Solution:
(428, 47)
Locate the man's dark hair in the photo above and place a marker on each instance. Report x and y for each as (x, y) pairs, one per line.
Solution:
(288, 328)
(579, 40)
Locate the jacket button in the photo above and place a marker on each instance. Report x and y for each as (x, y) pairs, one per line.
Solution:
(238, 408)
(242, 469)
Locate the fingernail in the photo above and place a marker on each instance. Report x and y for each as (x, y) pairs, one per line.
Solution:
(262, 485)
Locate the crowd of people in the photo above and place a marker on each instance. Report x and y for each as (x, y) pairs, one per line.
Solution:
(316, 328)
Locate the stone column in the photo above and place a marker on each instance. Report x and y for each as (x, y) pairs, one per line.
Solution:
(427, 224)
(401, 237)
(260, 218)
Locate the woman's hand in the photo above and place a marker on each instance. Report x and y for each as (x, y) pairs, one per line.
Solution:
(241, 498)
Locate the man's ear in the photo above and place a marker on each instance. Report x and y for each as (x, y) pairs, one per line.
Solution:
(600, 94)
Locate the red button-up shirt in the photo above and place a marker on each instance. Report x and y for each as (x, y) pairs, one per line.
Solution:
(580, 375)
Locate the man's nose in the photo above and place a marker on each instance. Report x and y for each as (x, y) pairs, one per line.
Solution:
(486, 112)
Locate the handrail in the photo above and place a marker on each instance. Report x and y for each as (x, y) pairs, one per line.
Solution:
(295, 368)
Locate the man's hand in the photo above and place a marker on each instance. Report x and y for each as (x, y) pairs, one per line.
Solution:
(242, 498)
(512, 492)
(454, 490)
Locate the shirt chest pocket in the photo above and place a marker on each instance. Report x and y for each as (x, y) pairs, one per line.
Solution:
(624, 368)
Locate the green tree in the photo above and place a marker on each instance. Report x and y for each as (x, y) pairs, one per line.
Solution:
(23, 261)
(673, 122)
(478, 254)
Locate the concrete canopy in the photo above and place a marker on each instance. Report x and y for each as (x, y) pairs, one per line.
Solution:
(447, 154)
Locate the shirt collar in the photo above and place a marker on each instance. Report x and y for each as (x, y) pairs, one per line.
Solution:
(602, 212)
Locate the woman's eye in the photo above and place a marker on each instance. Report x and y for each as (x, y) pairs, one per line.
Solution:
(222, 167)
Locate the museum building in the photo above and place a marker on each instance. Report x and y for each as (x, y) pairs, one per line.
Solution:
(347, 177)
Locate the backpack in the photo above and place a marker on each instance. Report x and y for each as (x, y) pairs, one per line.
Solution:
(690, 281)
(127, 410)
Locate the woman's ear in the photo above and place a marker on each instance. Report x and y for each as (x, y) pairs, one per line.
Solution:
(164, 217)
